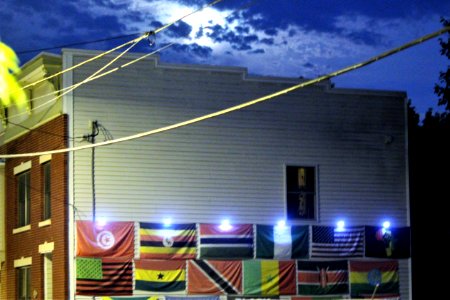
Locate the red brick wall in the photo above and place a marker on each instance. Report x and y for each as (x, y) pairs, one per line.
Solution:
(49, 136)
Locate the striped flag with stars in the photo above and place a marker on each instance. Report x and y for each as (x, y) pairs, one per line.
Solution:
(328, 241)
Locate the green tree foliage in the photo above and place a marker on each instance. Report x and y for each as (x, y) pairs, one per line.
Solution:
(10, 90)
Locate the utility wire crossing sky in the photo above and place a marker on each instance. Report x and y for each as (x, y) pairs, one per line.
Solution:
(233, 108)
(293, 38)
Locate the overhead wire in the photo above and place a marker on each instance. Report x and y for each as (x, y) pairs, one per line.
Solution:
(136, 40)
(87, 61)
(242, 105)
(77, 43)
(88, 80)
(242, 7)
(73, 87)
(40, 130)
(133, 42)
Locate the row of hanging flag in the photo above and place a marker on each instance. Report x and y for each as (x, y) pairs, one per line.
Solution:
(240, 241)
(159, 297)
(335, 278)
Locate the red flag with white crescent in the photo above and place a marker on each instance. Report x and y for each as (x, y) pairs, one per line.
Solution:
(114, 239)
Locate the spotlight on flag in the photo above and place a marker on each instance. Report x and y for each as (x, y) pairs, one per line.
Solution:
(281, 224)
(101, 222)
(225, 225)
(167, 222)
(340, 225)
(386, 226)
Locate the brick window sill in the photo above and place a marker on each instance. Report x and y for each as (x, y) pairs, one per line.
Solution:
(22, 229)
(45, 223)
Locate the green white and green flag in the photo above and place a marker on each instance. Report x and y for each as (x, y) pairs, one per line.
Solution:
(282, 242)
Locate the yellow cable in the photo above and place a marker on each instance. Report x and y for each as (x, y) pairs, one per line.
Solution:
(136, 40)
(89, 79)
(87, 61)
(240, 106)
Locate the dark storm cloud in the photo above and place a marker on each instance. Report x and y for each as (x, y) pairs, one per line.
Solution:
(270, 31)
(241, 47)
(111, 4)
(192, 49)
(267, 41)
(237, 41)
(156, 24)
(242, 30)
(135, 16)
(178, 30)
(250, 38)
(34, 25)
(199, 33)
(319, 15)
(257, 51)
(365, 37)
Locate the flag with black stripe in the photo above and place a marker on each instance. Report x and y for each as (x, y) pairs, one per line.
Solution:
(328, 241)
(327, 277)
(214, 277)
(104, 277)
(175, 241)
(216, 241)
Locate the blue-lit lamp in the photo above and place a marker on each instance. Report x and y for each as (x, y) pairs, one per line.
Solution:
(386, 226)
(281, 224)
(340, 225)
(167, 222)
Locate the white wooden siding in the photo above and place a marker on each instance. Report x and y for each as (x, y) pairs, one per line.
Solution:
(233, 166)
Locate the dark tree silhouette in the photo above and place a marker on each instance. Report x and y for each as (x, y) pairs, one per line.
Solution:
(443, 90)
(429, 169)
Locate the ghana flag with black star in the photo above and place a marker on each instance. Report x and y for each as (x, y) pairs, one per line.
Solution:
(160, 275)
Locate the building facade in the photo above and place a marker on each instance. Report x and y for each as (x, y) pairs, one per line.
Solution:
(35, 230)
(309, 157)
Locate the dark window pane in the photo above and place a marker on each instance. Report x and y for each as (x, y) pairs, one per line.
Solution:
(24, 283)
(300, 206)
(300, 179)
(23, 199)
(300, 192)
(47, 189)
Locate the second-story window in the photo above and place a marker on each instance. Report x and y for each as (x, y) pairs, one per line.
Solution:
(23, 199)
(46, 175)
(301, 193)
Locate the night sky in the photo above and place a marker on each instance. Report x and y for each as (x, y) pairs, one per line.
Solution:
(289, 38)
